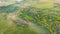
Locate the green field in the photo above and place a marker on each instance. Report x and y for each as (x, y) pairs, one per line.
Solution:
(30, 17)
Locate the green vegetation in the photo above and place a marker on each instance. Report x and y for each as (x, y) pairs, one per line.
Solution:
(44, 18)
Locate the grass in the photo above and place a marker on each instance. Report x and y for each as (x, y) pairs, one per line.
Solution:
(44, 19)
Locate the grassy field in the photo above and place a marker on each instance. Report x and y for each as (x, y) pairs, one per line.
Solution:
(40, 17)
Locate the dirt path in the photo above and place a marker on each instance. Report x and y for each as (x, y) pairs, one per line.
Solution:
(16, 19)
